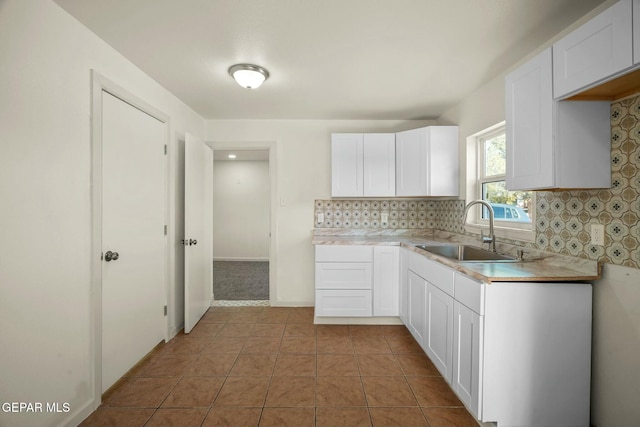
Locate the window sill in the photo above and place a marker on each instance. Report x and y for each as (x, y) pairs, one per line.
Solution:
(503, 232)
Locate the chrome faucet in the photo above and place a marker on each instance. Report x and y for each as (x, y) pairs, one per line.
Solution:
(491, 238)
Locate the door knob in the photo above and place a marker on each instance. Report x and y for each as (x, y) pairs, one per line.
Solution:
(111, 256)
(193, 242)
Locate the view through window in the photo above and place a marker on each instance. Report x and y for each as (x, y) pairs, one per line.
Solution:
(514, 207)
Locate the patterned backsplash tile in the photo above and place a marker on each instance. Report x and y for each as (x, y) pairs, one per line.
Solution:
(563, 218)
(400, 213)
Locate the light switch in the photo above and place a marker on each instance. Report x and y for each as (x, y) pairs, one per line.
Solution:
(320, 218)
(384, 217)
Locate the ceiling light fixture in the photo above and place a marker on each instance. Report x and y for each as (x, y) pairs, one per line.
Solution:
(248, 76)
(232, 156)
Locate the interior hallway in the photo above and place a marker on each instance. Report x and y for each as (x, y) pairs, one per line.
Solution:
(271, 366)
(241, 280)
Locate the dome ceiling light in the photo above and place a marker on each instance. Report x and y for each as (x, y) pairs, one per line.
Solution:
(248, 76)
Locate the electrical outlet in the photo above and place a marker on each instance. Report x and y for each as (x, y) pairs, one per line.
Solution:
(320, 218)
(384, 217)
(597, 234)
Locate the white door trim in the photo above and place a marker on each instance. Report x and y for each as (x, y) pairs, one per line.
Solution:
(272, 147)
(99, 83)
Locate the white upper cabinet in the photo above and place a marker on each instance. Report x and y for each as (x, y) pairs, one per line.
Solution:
(553, 144)
(379, 164)
(594, 51)
(347, 163)
(529, 117)
(362, 164)
(636, 32)
(427, 161)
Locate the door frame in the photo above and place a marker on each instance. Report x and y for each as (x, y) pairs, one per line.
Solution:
(100, 83)
(272, 148)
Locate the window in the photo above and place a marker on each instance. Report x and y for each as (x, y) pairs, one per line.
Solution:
(512, 209)
(508, 206)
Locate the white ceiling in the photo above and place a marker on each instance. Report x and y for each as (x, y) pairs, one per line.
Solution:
(328, 59)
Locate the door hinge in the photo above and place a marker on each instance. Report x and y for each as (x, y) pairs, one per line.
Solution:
(165, 230)
(165, 310)
(165, 149)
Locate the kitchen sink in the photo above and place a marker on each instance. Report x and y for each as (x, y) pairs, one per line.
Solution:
(466, 253)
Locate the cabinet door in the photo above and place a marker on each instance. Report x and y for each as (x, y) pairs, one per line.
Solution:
(403, 286)
(529, 125)
(439, 339)
(467, 350)
(386, 275)
(444, 162)
(379, 164)
(427, 161)
(417, 307)
(411, 163)
(595, 51)
(347, 165)
(636, 31)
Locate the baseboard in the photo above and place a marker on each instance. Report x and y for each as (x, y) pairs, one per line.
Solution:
(383, 320)
(275, 303)
(175, 331)
(80, 415)
(240, 259)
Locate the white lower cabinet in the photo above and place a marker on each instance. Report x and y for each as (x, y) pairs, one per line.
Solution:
(536, 354)
(386, 280)
(439, 338)
(403, 304)
(357, 280)
(430, 304)
(515, 353)
(467, 364)
(417, 307)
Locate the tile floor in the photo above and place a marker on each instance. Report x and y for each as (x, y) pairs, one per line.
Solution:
(268, 366)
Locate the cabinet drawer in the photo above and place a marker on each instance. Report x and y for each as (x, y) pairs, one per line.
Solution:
(344, 253)
(433, 272)
(344, 303)
(470, 293)
(344, 275)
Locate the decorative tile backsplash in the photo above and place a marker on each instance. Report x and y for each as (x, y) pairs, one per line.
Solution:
(563, 218)
(400, 213)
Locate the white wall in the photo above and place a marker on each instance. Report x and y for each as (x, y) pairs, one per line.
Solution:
(303, 169)
(45, 216)
(241, 210)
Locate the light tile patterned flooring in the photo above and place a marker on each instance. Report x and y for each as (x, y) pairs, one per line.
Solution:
(271, 366)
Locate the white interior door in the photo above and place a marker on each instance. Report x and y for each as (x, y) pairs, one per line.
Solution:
(198, 230)
(133, 238)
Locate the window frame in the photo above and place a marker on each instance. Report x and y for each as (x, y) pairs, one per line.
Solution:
(475, 180)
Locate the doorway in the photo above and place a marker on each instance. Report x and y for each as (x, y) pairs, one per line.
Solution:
(241, 226)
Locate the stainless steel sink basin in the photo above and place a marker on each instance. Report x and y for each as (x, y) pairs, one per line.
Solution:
(466, 253)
